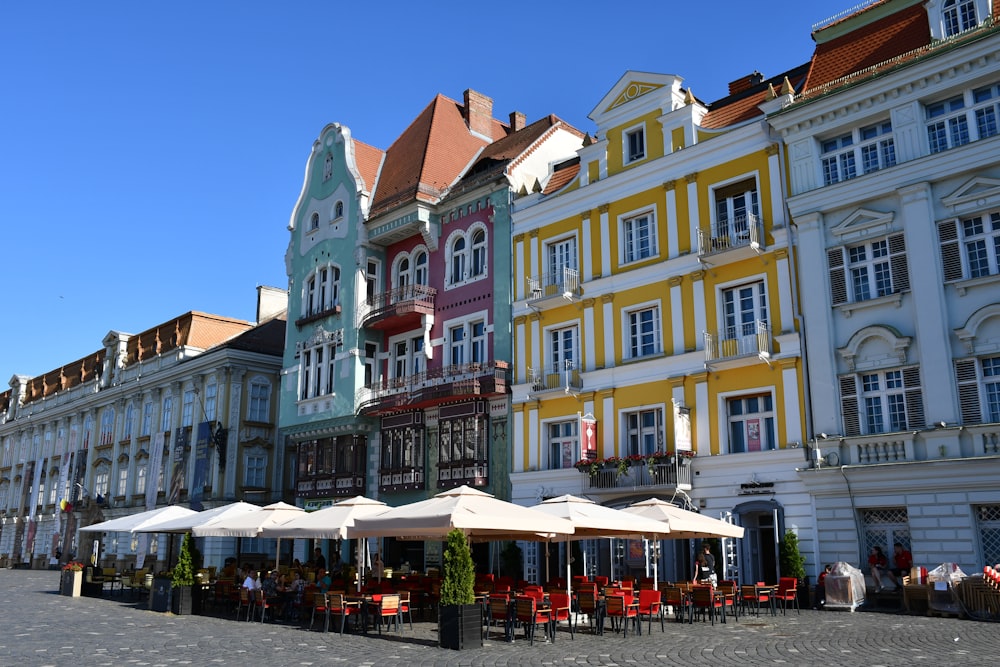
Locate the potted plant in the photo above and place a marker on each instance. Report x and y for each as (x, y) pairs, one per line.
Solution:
(71, 582)
(793, 564)
(182, 578)
(460, 619)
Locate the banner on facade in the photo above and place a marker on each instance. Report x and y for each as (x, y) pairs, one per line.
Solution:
(153, 470)
(682, 428)
(62, 446)
(201, 443)
(180, 459)
(80, 469)
(588, 437)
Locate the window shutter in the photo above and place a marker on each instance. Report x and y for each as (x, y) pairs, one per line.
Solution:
(838, 279)
(849, 404)
(914, 397)
(951, 253)
(968, 391)
(898, 265)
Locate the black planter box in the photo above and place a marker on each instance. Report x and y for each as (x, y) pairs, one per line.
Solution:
(460, 626)
(180, 600)
(159, 594)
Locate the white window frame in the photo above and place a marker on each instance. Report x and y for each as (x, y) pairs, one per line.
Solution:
(868, 270)
(129, 417)
(957, 16)
(211, 398)
(882, 401)
(727, 221)
(464, 349)
(255, 470)
(406, 354)
(635, 432)
(259, 400)
(123, 479)
(849, 155)
(421, 270)
(633, 227)
(478, 252)
(107, 426)
(187, 408)
(314, 221)
(321, 290)
(470, 262)
(147, 419)
(633, 340)
(166, 414)
(102, 480)
(737, 328)
(373, 280)
(640, 153)
(744, 419)
(402, 270)
(562, 435)
(962, 118)
(141, 471)
(559, 351)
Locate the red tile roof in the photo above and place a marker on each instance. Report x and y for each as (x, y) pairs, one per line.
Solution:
(561, 175)
(869, 45)
(368, 159)
(742, 106)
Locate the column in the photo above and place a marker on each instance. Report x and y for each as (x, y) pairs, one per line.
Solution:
(774, 183)
(608, 330)
(700, 314)
(676, 315)
(702, 425)
(587, 247)
(589, 336)
(784, 288)
(520, 289)
(670, 212)
(605, 242)
(608, 445)
(694, 222)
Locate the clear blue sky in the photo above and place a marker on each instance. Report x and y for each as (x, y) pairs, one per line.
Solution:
(151, 152)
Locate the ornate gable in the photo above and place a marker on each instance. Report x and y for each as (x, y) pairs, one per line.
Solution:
(863, 222)
(977, 192)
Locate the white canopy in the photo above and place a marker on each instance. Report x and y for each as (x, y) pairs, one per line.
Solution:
(592, 520)
(328, 523)
(135, 522)
(249, 524)
(188, 522)
(475, 513)
(682, 523)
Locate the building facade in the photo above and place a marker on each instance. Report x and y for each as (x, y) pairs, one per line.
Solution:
(183, 413)
(894, 173)
(655, 318)
(397, 365)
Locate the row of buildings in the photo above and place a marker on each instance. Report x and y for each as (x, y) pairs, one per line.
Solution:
(779, 308)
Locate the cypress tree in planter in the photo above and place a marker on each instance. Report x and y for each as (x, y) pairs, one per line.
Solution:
(793, 564)
(182, 578)
(460, 619)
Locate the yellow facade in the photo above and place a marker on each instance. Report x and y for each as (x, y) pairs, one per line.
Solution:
(658, 283)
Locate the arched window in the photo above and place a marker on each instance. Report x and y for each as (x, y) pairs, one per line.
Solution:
(403, 272)
(168, 406)
(314, 221)
(328, 167)
(478, 252)
(338, 210)
(959, 16)
(458, 260)
(420, 268)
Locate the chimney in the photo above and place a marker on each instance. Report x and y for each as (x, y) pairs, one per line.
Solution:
(478, 112)
(517, 121)
(746, 83)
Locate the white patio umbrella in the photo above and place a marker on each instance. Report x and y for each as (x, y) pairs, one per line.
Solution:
(186, 523)
(682, 523)
(135, 522)
(591, 520)
(250, 524)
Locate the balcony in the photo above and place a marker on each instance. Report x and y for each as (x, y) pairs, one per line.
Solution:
(320, 314)
(732, 343)
(401, 307)
(468, 472)
(566, 377)
(743, 231)
(335, 484)
(402, 479)
(554, 289)
(434, 385)
(658, 477)
(934, 443)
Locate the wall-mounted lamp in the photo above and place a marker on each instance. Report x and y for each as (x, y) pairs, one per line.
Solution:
(941, 424)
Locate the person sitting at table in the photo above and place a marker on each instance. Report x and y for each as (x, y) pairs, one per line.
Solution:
(903, 561)
(323, 581)
(270, 588)
(702, 572)
(252, 581)
(877, 563)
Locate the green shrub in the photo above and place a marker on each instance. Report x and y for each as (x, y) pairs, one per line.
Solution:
(183, 574)
(459, 574)
(792, 563)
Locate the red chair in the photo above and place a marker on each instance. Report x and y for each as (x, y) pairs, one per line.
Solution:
(264, 604)
(705, 599)
(336, 605)
(755, 597)
(601, 582)
(384, 610)
(586, 603)
(650, 607)
(528, 614)
(561, 608)
(622, 609)
(788, 591)
(245, 602)
(677, 599)
(498, 610)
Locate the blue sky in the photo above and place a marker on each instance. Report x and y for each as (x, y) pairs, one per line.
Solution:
(151, 152)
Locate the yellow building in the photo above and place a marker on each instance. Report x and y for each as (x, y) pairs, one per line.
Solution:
(655, 315)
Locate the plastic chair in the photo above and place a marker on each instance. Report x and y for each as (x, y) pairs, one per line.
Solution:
(650, 607)
(561, 611)
(528, 614)
(788, 591)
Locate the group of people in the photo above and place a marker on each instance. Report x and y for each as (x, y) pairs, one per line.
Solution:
(878, 564)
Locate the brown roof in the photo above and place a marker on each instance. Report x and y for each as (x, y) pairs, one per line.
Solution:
(743, 106)
(869, 45)
(562, 174)
(266, 338)
(368, 159)
(429, 155)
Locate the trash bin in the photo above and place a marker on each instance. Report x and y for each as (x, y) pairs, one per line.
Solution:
(159, 594)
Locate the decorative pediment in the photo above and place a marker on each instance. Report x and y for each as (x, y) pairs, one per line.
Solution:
(632, 90)
(864, 222)
(979, 191)
(321, 336)
(874, 347)
(981, 333)
(655, 91)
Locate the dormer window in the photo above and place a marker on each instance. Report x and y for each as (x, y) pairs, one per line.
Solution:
(635, 144)
(958, 16)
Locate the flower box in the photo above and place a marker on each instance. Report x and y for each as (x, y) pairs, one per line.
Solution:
(71, 583)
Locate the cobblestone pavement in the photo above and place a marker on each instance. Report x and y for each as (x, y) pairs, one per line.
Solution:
(40, 627)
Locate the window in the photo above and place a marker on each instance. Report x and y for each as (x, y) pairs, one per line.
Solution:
(371, 281)
(872, 147)
(743, 307)
(560, 260)
(478, 252)
(458, 260)
(107, 426)
(122, 479)
(868, 270)
(255, 472)
(563, 350)
(948, 124)
(211, 392)
(168, 406)
(751, 423)
(403, 272)
(882, 401)
(322, 290)
(53, 487)
(736, 210)
(457, 345)
(635, 144)
(187, 408)
(970, 248)
(639, 236)
(102, 481)
(328, 167)
(338, 210)
(467, 342)
(643, 332)
(402, 448)
(140, 479)
(147, 418)
(420, 269)
(643, 432)
(463, 439)
(314, 222)
(129, 417)
(986, 110)
(564, 444)
(979, 380)
(959, 16)
(259, 405)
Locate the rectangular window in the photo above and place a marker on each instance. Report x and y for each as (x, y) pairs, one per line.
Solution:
(639, 234)
(872, 147)
(563, 349)
(643, 332)
(643, 432)
(868, 270)
(981, 236)
(884, 401)
(168, 408)
(402, 449)
(187, 408)
(869, 266)
(751, 424)
(478, 342)
(147, 418)
(991, 381)
(560, 258)
(254, 473)
(463, 439)
(743, 308)
(102, 482)
(635, 144)
(737, 208)
(140, 479)
(457, 345)
(564, 449)
(259, 407)
(122, 480)
(211, 394)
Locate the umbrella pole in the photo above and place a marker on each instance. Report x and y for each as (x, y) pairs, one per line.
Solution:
(360, 563)
(569, 571)
(277, 556)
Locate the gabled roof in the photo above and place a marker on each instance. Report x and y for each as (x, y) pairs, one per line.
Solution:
(868, 45)
(368, 158)
(429, 155)
(561, 175)
(743, 106)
